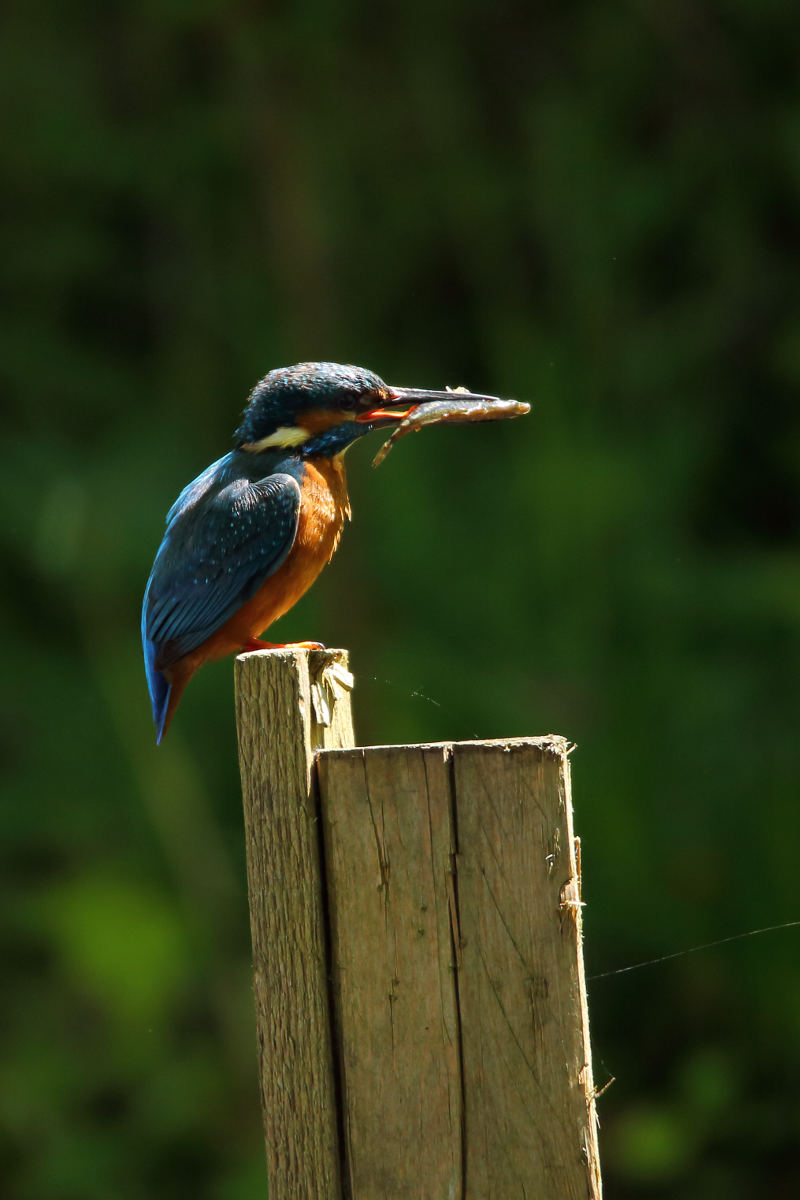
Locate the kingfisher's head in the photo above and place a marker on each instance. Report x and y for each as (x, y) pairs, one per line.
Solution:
(319, 408)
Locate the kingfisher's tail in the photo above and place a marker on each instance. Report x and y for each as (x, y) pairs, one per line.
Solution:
(160, 690)
(158, 685)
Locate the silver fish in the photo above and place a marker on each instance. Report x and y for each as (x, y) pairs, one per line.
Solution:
(462, 407)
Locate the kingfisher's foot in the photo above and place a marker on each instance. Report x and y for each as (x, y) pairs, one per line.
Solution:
(258, 644)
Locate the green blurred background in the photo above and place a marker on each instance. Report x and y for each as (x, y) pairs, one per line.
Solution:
(591, 207)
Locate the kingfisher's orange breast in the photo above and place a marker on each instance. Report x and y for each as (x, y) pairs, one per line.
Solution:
(324, 508)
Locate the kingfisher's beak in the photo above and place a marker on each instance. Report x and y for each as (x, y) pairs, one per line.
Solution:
(405, 400)
(394, 408)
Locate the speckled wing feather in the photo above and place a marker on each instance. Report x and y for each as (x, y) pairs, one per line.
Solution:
(224, 538)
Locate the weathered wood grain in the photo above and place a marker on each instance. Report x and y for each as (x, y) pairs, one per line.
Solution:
(277, 736)
(461, 1024)
(388, 847)
(529, 1103)
(419, 986)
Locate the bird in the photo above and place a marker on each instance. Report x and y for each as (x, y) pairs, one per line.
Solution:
(248, 537)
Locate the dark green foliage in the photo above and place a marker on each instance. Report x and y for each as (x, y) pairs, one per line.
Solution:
(591, 208)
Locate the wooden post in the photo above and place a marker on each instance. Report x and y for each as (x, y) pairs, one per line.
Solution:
(283, 700)
(451, 1032)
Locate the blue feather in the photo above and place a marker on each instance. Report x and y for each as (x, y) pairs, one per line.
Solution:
(226, 533)
(157, 685)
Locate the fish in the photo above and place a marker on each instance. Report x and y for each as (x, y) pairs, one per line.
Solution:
(461, 408)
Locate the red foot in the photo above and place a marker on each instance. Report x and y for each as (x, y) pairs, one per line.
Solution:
(258, 644)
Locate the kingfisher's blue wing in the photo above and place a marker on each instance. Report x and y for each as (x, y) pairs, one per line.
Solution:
(224, 537)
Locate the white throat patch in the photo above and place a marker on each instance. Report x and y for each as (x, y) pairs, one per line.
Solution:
(285, 437)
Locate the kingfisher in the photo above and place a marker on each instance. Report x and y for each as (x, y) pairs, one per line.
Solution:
(247, 538)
